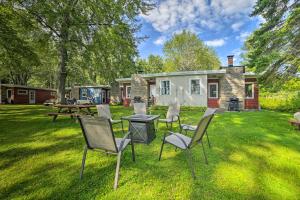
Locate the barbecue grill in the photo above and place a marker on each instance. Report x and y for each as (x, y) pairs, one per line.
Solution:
(234, 104)
(138, 99)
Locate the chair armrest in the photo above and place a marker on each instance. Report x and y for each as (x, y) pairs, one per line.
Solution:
(124, 138)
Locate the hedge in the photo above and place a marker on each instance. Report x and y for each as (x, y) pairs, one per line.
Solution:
(281, 101)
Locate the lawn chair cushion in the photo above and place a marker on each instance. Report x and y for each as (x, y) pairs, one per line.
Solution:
(178, 140)
(118, 143)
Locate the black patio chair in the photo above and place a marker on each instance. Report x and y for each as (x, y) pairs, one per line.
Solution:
(99, 136)
(188, 127)
(172, 116)
(186, 143)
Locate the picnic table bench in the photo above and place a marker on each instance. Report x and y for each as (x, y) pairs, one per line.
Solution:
(71, 110)
(294, 122)
(55, 114)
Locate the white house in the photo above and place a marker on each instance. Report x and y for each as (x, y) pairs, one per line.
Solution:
(209, 88)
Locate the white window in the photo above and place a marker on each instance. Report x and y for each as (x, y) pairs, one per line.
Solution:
(165, 87)
(249, 90)
(213, 90)
(53, 94)
(128, 91)
(195, 86)
(22, 92)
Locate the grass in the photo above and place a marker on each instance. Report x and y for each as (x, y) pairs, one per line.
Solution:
(254, 155)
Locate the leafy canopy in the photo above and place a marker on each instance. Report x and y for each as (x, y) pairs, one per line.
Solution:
(186, 52)
(274, 48)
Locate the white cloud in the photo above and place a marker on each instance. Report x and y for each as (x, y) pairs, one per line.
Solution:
(243, 36)
(230, 7)
(172, 15)
(160, 40)
(236, 26)
(215, 43)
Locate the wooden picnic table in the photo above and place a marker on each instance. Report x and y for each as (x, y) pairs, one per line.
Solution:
(71, 110)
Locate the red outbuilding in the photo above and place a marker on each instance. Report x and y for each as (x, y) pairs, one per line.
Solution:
(19, 94)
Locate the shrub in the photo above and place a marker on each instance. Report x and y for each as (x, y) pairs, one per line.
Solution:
(182, 108)
(281, 101)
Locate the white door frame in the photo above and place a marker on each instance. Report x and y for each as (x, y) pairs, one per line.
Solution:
(9, 98)
(31, 101)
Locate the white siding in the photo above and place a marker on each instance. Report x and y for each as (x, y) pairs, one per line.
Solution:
(180, 91)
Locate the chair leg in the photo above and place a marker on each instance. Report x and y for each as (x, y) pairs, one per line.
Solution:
(207, 139)
(171, 126)
(117, 170)
(189, 155)
(204, 153)
(83, 161)
(122, 127)
(132, 151)
(161, 149)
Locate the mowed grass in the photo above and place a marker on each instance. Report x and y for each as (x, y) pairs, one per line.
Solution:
(254, 155)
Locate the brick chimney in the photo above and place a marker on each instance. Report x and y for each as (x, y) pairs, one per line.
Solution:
(230, 60)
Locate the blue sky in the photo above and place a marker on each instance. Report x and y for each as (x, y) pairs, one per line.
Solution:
(221, 24)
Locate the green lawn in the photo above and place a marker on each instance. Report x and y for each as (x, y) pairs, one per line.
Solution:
(254, 155)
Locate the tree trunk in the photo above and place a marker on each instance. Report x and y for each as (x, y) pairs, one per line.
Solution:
(63, 59)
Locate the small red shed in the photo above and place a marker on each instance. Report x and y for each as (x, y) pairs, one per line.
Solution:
(20, 94)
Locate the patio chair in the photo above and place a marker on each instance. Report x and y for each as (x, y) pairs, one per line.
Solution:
(172, 115)
(186, 143)
(104, 111)
(98, 135)
(188, 127)
(140, 108)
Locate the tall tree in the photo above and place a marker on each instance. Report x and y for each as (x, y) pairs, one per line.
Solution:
(186, 52)
(274, 48)
(18, 57)
(76, 26)
(153, 64)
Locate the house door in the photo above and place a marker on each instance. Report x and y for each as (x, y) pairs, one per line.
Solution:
(9, 95)
(32, 96)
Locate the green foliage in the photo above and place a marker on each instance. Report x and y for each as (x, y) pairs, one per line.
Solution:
(18, 57)
(182, 108)
(280, 101)
(186, 52)
(153, 64)
(69, 42)
(274, 48)
(254, 155)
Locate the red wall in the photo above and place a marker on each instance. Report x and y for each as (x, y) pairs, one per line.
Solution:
(20, 99)
(213, 103)
(40, 96)
(252, 103)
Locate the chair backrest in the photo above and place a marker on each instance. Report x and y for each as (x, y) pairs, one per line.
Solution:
(98, 133)
(201, 129)
(173, 111)
(103, 111)
(210, 111)
(140, 108)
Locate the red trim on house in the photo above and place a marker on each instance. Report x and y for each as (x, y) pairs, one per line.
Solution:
(252, 103)
(213, 102)
(126, 101)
